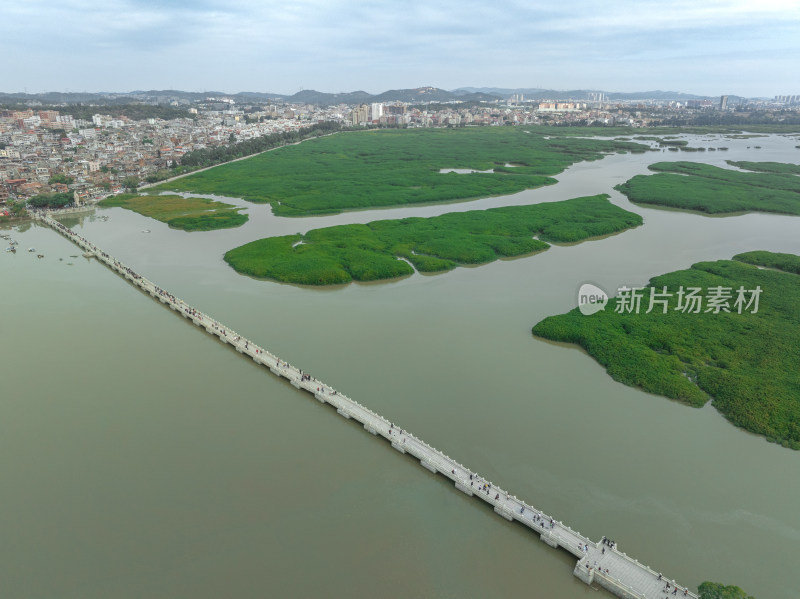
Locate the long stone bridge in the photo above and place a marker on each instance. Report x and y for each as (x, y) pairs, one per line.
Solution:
(599, 562)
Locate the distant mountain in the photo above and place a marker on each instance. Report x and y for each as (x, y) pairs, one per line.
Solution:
(418, 95)
(536, 93)
(422, 95)
(503, 92)
(309, 96)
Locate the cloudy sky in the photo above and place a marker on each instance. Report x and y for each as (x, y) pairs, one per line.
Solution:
(741, 47)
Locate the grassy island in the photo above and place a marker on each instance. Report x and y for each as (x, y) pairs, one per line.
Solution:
(188, 214)
(714, 190)
(745, 363)
(767, 167)
(387, 249)
(364, 169)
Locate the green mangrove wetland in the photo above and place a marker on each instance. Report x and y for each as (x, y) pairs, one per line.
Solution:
(716, 590)
(766, 167)
(779, 261)
(373, 251)
(368, 169)
(187, 214)
(741, 356)
(714, 190)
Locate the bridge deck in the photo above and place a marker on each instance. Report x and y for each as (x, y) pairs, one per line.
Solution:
(598, 563)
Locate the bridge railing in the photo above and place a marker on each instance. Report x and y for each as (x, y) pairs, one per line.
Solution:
(647, 568)
(616, 582)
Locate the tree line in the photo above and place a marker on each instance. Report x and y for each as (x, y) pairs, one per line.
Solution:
(211, 156)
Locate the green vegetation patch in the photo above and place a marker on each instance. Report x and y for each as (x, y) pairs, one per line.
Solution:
(766, 167)
(706, 188)
(716, 590)
(743, 136)
(747, 362)
(373, 251)
(784, 262)
(188, 214)
(365, 169)
(682, 128)
(52, 200)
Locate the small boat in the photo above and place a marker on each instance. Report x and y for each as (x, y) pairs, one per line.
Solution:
(40, 255)
(31, 250)
(145, 230)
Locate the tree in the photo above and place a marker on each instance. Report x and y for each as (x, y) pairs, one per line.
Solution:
(16, 208)
(232, 138)
(715, 590)
(130, 183)
(52, 200)
(59, 178)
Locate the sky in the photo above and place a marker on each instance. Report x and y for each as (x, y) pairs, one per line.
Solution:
(708, 47)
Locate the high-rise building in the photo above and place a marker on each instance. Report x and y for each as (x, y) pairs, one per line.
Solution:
(723, 102)
(360, 114)
(376, 111)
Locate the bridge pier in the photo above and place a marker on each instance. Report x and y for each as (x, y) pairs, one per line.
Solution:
(398, 447)
(583, 572)
(341, 412)
(504, 512)
(549, 538)
(370, 429)
(465, 489)
(428, 465)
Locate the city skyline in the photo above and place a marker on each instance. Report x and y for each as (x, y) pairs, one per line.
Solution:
(722, 47)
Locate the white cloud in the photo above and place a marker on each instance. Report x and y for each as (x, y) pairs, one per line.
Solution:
(336, 45)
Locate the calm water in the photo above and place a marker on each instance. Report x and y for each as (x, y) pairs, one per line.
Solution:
(140, 458)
